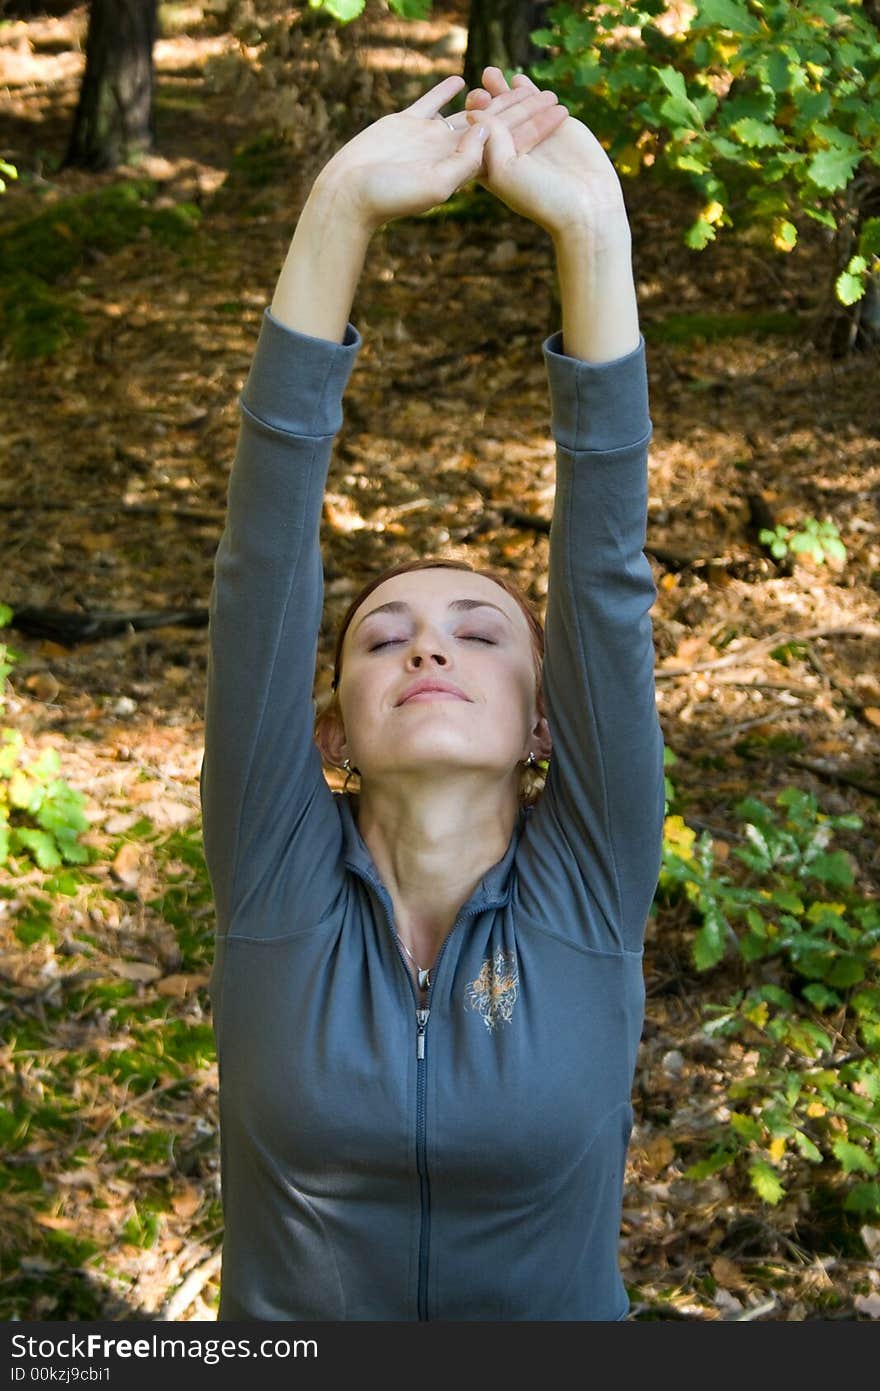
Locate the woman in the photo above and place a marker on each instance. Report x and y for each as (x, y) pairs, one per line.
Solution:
(428, 997)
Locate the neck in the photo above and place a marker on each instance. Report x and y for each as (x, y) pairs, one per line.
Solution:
(431, 849)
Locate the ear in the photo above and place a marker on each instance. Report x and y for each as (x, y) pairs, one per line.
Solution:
(542, 742)
(330, 738)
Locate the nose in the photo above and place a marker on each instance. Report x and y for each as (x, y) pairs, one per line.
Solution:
(424, 649)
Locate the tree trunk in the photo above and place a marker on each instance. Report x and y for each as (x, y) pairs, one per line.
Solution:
(498, 34)
(842, 329)
(114, 117)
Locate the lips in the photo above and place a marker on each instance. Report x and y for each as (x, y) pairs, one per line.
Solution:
(432, 685)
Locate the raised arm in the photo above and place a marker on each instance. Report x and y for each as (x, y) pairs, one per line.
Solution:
(598, 827)
(263, 789)
(269, 818)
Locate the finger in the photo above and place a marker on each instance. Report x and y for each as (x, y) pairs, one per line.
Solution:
(512, 112)
(526, 109)
(507, 99)
(499, 145)
(494, 81)
(467, 161)
(521, 79)
(532, 132)
(430, 103)
(476, 99)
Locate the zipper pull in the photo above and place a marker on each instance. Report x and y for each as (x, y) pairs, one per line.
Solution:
(422, 1017)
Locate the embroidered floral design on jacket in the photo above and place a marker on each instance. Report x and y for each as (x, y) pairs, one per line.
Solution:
(494, 991)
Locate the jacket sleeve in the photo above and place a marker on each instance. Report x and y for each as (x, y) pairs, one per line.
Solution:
(592, 845)
(267, 809)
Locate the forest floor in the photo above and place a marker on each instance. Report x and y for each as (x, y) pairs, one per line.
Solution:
(116, 453)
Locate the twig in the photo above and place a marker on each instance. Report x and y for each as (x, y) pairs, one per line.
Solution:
(191, 1288)
(757, 1311)
(744, 655)
(124, 509)
(831, 774)
(747, 724)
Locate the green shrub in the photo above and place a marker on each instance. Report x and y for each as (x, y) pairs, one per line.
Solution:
(770, 111)
(807, 947)
(821, 540)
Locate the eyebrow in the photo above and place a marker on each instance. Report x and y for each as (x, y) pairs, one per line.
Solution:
(457, 605)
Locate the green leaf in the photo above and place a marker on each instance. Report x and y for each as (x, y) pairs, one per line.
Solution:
(848, 970)
(853, 1159)
(673, 81)
(821, 996)
(700, 234)
(705, 1168)
(690, 164)
(787, 899)
(756, 134)
(678, 109)
(778, 70)
(746, 1127)
(834, 869)
(836, 549)
(726, 14)
(867, 1002)
(832, 169)
(408, 9)
(821, 215)
(863, 1197)
(786, 235)
(344, 10)
(869, 237)
(41, 845)
(24, 793)
(807, 1148)
(710, 940)
(765, 1181)
(850, 288)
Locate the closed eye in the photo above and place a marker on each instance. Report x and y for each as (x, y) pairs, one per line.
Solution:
(387, 643)
(473, 637)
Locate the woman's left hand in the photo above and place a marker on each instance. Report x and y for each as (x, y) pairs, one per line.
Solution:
(562, 181)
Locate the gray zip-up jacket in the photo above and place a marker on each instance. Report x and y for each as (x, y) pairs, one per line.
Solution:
(465, 1162)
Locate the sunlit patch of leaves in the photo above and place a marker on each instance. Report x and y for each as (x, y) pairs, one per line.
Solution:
(107, 1085)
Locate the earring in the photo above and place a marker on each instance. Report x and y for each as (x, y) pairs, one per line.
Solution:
(347, 765)
(531, 760)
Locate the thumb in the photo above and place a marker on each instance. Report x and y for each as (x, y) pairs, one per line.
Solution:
(467, 161)
(499, 146)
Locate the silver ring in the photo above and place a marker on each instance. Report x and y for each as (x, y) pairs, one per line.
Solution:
(447, 120)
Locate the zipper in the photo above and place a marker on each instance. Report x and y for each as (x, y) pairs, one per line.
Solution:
(422, 1017)
(422, 1163)
(423, 1014)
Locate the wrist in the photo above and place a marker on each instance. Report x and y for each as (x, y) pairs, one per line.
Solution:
(332, 202)
(603, 237)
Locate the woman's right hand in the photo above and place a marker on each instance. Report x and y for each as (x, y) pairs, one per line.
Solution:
(406, 162)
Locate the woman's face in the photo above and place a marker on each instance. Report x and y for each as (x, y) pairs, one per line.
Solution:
(438, 625)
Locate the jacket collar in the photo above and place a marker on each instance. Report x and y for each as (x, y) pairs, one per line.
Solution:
(492, 891)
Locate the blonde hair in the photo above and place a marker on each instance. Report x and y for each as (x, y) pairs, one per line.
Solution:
(533, 778)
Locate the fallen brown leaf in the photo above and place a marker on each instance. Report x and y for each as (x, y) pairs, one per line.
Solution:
(126, 864)
(187, 1202)
(136, 970)
(727, 1273)
(178, 986)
